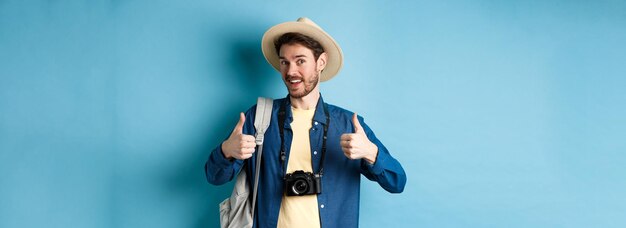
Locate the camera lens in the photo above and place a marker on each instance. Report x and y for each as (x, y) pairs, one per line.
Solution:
(300, 186)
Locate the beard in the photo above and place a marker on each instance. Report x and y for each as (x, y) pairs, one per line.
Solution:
(308, 85)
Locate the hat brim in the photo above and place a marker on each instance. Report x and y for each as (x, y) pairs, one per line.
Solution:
(331, 48)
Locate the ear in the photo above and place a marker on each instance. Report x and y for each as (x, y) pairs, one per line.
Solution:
(321, 61)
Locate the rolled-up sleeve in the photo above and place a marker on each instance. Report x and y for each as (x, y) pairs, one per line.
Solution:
(386, 170)
(219, 169)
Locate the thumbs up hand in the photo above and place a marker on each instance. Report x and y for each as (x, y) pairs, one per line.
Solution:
(356, 145)
(238, 145)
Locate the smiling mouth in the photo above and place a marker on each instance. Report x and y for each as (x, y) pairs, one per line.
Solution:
(294, 80)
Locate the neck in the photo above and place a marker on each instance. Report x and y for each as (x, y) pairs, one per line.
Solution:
(307, 102)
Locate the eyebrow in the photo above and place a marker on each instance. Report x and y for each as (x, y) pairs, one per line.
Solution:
(297, 56)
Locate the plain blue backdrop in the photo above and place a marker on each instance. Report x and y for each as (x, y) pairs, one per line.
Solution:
(503, 113)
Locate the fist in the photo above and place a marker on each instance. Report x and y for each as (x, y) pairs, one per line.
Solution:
(238, 145)
(356, 145)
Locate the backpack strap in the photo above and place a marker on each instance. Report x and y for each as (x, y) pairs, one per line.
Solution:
(261, 123)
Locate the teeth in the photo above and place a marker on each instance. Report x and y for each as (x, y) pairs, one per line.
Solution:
(295, 81)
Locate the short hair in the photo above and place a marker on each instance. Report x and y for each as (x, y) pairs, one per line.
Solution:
(299, 38)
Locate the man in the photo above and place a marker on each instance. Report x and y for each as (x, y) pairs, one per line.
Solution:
(307, 138)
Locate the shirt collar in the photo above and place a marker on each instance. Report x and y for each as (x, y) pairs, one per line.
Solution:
(319, 115)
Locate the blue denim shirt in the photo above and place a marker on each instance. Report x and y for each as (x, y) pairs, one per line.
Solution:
(339, 201)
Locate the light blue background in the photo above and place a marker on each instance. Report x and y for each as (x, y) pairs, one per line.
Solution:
(503, 113)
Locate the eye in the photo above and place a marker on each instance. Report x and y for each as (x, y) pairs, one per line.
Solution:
(300, 61)
(283, 62)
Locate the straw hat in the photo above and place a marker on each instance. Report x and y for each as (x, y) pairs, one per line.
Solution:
(307, 27)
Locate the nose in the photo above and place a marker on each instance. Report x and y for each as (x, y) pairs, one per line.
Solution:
(292, 70)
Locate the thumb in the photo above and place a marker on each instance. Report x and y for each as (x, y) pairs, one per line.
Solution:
(239, 127)
(357, 125)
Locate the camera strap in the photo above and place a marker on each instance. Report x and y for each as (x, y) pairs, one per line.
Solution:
(281, 123)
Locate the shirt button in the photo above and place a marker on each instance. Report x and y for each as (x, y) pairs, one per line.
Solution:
(322, 206)
(315, 122)
(315, 152)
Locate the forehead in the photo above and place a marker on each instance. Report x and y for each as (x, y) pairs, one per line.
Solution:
(294, 50)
